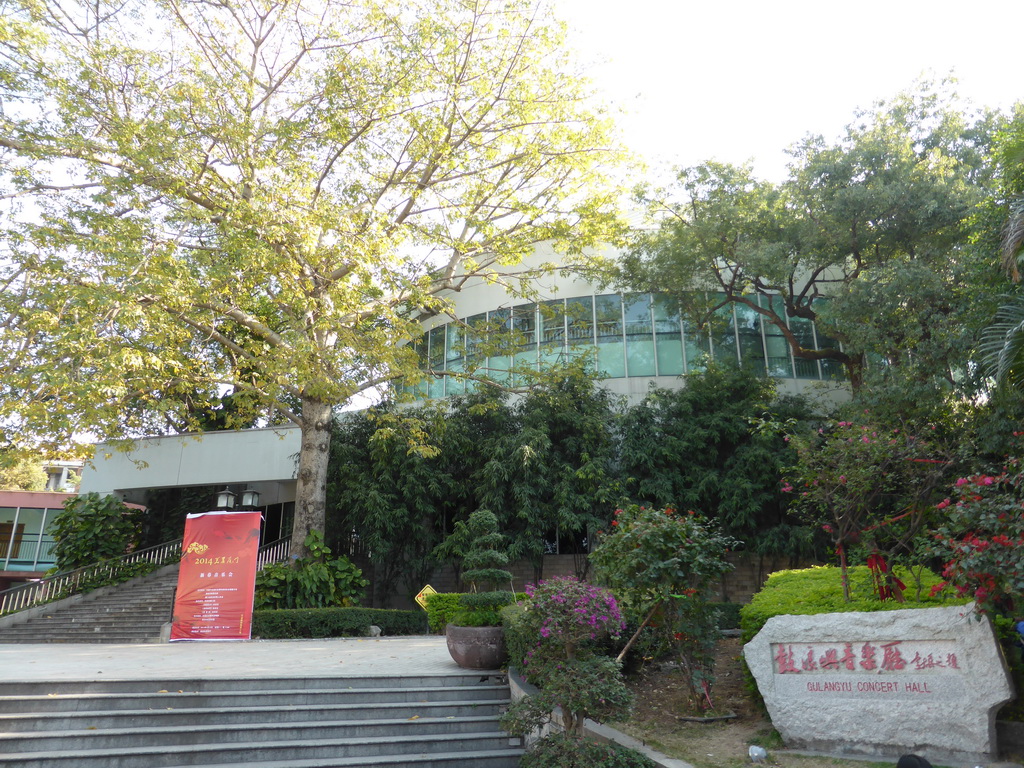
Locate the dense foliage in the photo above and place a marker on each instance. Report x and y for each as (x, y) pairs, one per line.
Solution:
(870, 488)
(335, 622)
(868, 238)
(693, 448)
(663, 564)
(93, 528)
(550, 465)
(316, 580)
(982, 541)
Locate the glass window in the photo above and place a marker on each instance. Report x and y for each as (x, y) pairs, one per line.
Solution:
(640, 358)
(524, 325)
(435, 352)
(830, 369)
(24, 544)
(722, 330)
(454, 347)
(777, 354)
(552, 330)
(499, 322)
(46, 556)
(611, 361)
(579, 315)
(608, 313)
(748, 334)
(476, 328)
(435, 361)
(454, 361)
(668, 338)
(803, 329)
(10, 537)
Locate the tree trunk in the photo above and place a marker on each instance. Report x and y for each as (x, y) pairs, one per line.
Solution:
(311, 492)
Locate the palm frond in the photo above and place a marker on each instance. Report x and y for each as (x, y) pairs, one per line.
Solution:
(1002, 344)
(1012, 243)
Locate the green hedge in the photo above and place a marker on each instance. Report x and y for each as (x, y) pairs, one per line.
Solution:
(335, 622)
(816, 590)
(442, 607)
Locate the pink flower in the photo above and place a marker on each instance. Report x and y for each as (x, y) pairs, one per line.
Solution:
(942, 504)
(962, 482)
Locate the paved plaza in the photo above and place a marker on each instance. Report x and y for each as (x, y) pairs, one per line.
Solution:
(330, 657)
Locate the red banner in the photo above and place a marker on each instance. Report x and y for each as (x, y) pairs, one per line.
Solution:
(217, 577)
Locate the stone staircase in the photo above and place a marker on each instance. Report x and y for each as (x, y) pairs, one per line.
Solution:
(421, 722)
(132, 612)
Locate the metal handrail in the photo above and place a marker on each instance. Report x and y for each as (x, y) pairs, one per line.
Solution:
(67, 583)
(64, 584)
(274, 552)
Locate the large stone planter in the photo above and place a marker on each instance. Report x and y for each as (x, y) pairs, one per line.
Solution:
(477, 647)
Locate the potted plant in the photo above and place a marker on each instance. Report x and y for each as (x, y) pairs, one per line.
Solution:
(476, 639)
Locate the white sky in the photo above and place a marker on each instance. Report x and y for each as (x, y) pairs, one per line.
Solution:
(742, 80)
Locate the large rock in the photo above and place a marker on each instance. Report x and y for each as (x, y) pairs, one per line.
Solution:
(927, 681)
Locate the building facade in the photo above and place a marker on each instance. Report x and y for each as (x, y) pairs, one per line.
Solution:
(634, 340)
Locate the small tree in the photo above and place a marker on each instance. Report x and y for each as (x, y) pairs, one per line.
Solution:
(93, 528)
(664, 562)
(865, 483)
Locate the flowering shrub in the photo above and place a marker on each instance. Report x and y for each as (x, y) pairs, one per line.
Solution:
(566, 617)
(983, 540)
(664, 564)
(569, 612)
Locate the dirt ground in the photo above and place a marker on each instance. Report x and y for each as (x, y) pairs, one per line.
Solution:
(660, 701)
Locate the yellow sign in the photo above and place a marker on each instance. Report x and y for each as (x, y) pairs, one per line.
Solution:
(426, 592)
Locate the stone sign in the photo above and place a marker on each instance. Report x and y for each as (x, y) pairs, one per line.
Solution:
(927, 681)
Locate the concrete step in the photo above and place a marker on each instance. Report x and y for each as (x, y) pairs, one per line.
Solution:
(498, 758)
(145, 756)
(185, 716)
(223, 699)
(486, 681)
(201, 731)
(298, 722)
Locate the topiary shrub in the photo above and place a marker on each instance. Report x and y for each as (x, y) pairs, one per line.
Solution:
(484, 569)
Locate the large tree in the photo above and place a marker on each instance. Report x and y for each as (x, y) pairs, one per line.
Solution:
(865, 238)
(264, 196)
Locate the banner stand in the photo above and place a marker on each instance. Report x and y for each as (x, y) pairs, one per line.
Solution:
(217, 578)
